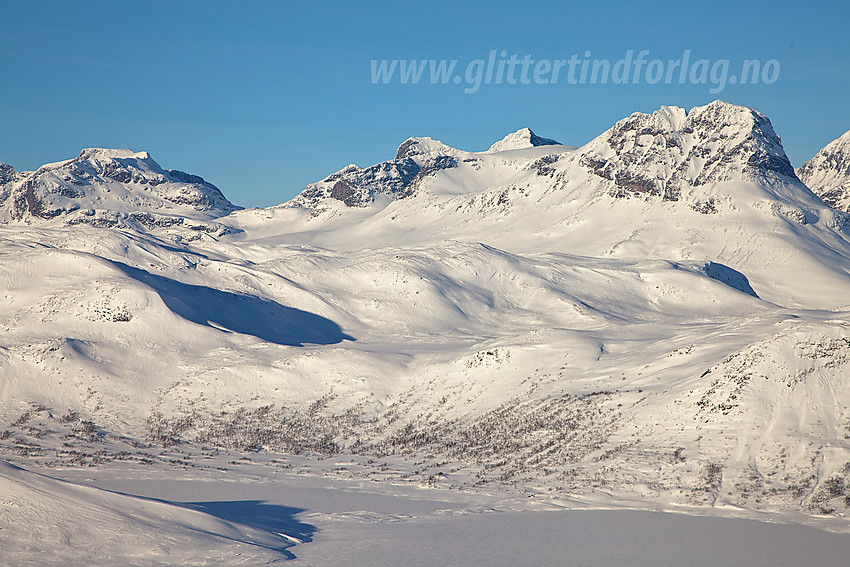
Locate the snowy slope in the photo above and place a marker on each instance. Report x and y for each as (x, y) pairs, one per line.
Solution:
(828, 173)
(660, 315)
(44, 521)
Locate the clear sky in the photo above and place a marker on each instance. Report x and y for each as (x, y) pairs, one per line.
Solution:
(262, 98)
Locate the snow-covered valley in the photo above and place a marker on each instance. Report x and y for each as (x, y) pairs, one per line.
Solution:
(658, 320)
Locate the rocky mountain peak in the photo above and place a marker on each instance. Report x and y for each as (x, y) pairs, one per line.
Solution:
(110, 187)
(666, 152)
(827, 174)
(354, 186)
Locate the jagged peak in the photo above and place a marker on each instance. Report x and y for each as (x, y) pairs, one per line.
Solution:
(673, 116)
(666, 119)
(727, 117)
(716, 116)
(521, 139)
(725, 108)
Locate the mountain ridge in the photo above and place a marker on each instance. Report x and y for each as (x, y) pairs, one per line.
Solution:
(644, 155)
(827, 173)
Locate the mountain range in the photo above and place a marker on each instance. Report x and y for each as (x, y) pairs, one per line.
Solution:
(660, 315)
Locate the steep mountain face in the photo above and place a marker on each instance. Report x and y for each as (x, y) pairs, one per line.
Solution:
(828, 173)
(660, 315)
(670, 151)
(520, 139)
(110, 188)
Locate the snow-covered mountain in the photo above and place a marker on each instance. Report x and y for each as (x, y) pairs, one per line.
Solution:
(828, 173)
(416, 159)
(669, 154)
(520, 139)
(110, 188)
(669, 185)
(659, 316)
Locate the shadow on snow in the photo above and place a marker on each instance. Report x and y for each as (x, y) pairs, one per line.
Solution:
(272, 518)
(730, 277)
(240, 313)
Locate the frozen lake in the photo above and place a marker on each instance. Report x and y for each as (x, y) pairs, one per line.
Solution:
(327, 521)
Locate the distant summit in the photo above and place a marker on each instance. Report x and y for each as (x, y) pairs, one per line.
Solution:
(521, 139)
(416, 159)
(828, 173)
(423, 148)
(110, 187)
(672, 151)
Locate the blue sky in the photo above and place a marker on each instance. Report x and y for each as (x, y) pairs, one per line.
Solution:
(262, 98)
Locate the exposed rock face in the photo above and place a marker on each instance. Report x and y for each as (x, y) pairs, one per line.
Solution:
(7, 174)
(357, 187)
(110, 188)
(428, 169)
(416, 159)
(827, 174)
(662, 153)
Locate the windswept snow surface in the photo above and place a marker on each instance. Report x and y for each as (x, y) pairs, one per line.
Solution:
(44, 521)
(657, 319)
